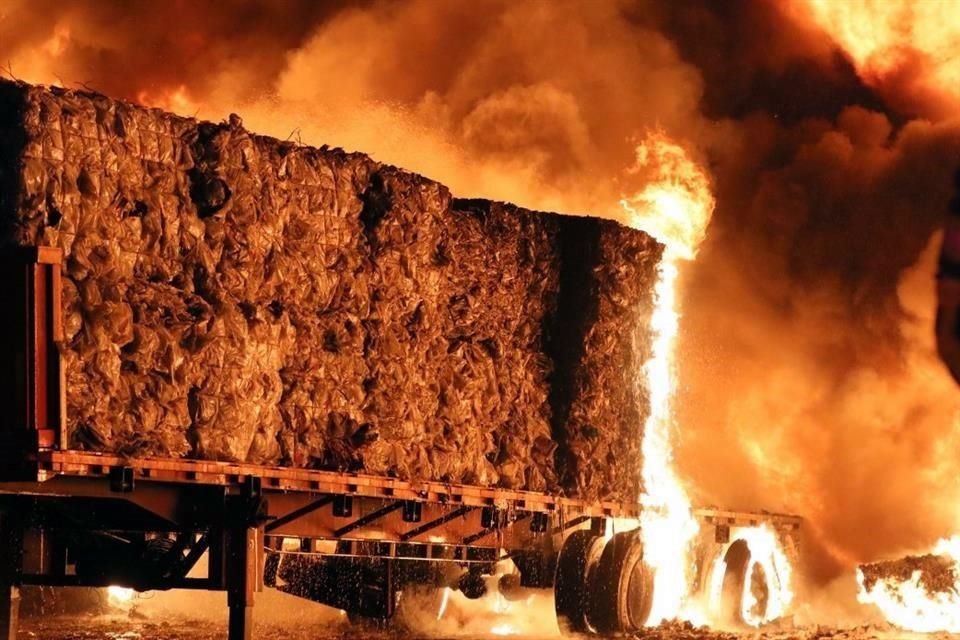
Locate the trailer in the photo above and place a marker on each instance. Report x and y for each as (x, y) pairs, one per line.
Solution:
(352, 541)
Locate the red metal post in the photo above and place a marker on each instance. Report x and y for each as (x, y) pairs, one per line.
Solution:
(31, 377)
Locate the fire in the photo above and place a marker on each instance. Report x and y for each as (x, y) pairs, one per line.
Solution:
(675, 204)
(767, 554)
(120, 595)
(675, 207)
(909, 605)
(899, 41)
(177, 100)
(58, 42)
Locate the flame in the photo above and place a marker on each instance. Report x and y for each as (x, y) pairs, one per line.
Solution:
(444, 603)
(120, 595)
(897, 41)
(58, 42)
(177, 100)
(909, 605)
(767, 553)
(674, 206)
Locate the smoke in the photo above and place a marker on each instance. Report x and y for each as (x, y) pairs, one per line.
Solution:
(808, 377)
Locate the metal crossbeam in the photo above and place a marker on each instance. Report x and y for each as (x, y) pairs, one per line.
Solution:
(299, 513)
(367, 519)
(433, 524)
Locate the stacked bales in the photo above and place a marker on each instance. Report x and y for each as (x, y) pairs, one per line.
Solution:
(233, 297)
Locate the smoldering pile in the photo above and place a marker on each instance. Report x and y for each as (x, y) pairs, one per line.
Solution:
(233, 297)
(935, 574)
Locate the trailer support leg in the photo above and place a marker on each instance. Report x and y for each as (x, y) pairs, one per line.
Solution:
(11, 568)
(9, 612)
(244, 548)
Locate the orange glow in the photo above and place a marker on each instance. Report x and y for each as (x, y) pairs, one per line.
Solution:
(765, 551)
(58, 42)
(910, 606)
(120, 596)
(177, 100)
(903, 42)
(674, 206)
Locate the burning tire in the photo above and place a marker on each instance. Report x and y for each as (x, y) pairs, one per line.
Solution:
(622, 589)
(745, 594)
(576, 565)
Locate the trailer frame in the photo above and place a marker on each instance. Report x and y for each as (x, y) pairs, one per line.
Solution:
(59, 506)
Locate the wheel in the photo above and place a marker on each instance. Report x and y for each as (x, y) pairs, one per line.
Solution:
(575, 565)
(473, 585)
(421, 606)
(509, 586)
(622, 589)
(745, 595)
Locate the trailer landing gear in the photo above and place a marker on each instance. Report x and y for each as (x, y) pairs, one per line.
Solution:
(9, 612)
(244, 560)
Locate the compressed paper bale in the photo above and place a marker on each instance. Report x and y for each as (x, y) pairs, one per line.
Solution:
(322, 405)
(611, 405)
(236, 414)
(599, 341)
(325, 310)
(501, 276)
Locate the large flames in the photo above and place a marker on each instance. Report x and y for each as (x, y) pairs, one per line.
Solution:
(907, 50)
(675, 207)
(905, 46)
(768, 565)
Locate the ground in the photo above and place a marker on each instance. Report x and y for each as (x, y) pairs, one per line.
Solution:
(123, 627)
(197, 615)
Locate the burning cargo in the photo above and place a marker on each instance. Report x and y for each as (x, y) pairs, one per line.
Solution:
(229, 296)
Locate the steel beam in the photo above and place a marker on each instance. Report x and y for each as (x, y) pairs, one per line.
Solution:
(433, 524)
(299, 513)
(368, 519)
(244, 554)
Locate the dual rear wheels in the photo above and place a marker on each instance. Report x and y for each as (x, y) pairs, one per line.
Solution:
(603, 586)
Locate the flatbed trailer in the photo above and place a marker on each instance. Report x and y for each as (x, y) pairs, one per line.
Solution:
(353, 541)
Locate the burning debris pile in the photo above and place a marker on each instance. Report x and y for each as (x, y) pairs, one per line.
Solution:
(234, 297)
(934, 574)
(918, 593)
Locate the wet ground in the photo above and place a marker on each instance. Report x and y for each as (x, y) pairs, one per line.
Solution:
(123, 627)
(185, 615)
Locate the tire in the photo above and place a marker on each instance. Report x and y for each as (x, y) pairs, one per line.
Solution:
(575, 565)
(738, 561)
(622, 591)
(421, 606)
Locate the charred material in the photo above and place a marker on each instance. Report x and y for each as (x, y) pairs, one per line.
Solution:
(229, 296)
(937, 574)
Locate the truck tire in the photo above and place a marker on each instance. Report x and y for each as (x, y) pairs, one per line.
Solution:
(622, 591)
(421, 606)
(738, 562)
(577, 561)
